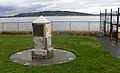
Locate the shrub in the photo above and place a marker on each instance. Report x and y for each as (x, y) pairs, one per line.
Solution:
(16, 33)
(82, 33)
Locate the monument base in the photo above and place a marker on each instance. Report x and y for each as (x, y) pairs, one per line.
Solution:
(59, 56)
(42, 54)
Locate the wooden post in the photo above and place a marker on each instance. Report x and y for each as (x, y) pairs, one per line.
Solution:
(105, 23)
(117, 26)
(100, 20)
(105, 20)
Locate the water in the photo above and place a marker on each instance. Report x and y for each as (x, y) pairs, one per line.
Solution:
(52, 18)
(59, 23)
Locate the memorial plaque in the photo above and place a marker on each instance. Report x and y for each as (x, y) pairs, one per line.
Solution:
(38, 30)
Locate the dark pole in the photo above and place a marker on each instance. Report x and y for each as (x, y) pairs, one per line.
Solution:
(100, 20)
(117, 26)
(111, 27)
(105, 23)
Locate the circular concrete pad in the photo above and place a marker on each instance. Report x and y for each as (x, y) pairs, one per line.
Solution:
(60, 56)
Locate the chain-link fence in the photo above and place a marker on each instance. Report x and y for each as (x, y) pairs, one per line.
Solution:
(56, 26)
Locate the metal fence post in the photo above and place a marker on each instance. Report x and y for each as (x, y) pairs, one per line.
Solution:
(88, 25)
(2, 26)
(70, 26)
(18, 26)
(52, 25)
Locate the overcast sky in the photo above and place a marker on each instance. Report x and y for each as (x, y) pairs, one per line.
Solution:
(12, 7)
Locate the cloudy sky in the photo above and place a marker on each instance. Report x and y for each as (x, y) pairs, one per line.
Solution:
(12, 7)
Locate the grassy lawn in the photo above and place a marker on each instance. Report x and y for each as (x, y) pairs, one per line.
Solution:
(91, 57)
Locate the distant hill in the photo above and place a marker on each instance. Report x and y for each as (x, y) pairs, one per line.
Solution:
(3, 16)
(53, 13)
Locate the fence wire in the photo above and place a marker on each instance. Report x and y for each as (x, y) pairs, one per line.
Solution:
(56, 26)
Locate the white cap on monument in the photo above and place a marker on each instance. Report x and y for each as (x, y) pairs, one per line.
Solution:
(41, 20)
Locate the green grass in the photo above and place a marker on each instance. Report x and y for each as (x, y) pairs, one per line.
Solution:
(91, 57)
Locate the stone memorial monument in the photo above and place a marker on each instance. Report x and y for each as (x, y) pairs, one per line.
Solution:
(42, 39)
(42, 53)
